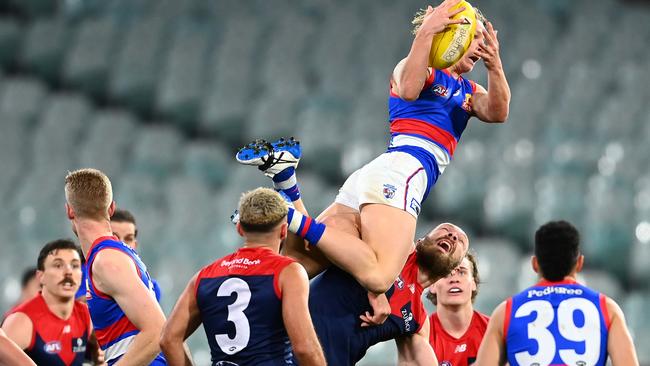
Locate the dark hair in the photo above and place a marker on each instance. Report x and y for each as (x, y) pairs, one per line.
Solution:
(121, 215)
(477, 279)
(557, 248)
(27, 276)
(52, 247)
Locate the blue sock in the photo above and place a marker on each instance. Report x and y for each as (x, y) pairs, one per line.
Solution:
(286, 182)
(305, 227)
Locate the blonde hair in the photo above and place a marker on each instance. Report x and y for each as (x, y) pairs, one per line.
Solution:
(418, 18)
(261, 210)
(89, 193)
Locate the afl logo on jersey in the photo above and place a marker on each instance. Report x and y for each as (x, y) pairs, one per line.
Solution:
(52, 347)
(440, 90)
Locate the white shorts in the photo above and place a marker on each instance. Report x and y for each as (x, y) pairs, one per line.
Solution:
(395, 179)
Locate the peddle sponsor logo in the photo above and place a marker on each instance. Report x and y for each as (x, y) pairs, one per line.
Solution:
(52, 347)
(78, 345)
(554, 290)
(440, 90)
(408, 318)
(389, 191)
(240, 262)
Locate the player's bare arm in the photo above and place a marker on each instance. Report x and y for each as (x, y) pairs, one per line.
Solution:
(182, 322)
(491, 105)
(411, 73)
(619, 342)
(294, 286)
(18, 327)
(492, 351)
(115, 274)
(11, 354)
(415, 350)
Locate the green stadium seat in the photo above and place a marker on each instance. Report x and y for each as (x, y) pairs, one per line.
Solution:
(181, 86)
(208, 162)
(138, 64)
(34, 8)
(601, 281)
(91, 55)
(64, 119)
(109, 141)
(156, 153)
(22, 98)
(10, 34)
(499, 264)
(136, 191)
(44, 47)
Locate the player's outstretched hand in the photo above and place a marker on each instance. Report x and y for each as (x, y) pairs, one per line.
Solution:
(380, 310)
(489, 50)
(438, 18)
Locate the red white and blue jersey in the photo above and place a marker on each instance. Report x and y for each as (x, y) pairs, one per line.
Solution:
(56, 341)
(114, 331)
(240, 302)
(556, 323)
(440, 113)
(462, 351)
(336, 300)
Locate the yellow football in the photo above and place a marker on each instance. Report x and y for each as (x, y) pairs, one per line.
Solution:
(450, 45)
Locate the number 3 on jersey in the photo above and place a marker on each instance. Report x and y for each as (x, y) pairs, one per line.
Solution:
(236, 315)
(538, 330)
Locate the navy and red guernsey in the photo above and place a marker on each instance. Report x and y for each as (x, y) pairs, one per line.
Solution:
(452, 351)
(241, 308)
(336, 300)
(114, 331)
(56, 341)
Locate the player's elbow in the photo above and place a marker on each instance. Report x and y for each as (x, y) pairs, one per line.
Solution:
(168, 341)
(409, 94)
(377, 284)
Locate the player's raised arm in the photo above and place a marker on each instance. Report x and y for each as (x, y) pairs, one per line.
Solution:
(415, 350)
(411, 73)
(493, 104)
(115, 274)
(11, 354)
(619, 342)
(182, 322)
(294, 286)
(492, 351)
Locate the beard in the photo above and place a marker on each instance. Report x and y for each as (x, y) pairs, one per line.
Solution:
(433, 262)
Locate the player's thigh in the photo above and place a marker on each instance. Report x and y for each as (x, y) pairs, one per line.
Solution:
(389, 231)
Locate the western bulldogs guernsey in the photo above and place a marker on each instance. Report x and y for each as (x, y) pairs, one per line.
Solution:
(556, 323)
(113, 329)
(452, 351)
(56, 341)
(336, 300)
(241, 308)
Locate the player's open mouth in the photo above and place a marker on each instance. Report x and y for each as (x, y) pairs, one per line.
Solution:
(444, 245)
(67, 284)
(455, 290)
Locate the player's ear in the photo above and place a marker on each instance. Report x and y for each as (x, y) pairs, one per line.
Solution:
(240, 231)
(39, 276)
(111, 209)
(284, 230)
(69, 211)
(535, 264)
(580, 262)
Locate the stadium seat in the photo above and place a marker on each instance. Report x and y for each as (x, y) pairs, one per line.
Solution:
(156, 153)
(9, 40)
(63, 120)
(109, 141)
(601, 281)
(181, 86)
(233, 74)
(271, 118)
(138, 64)
(209, 162)
(89, 58)
(44, 47)
(22, 98)
(498, 263)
